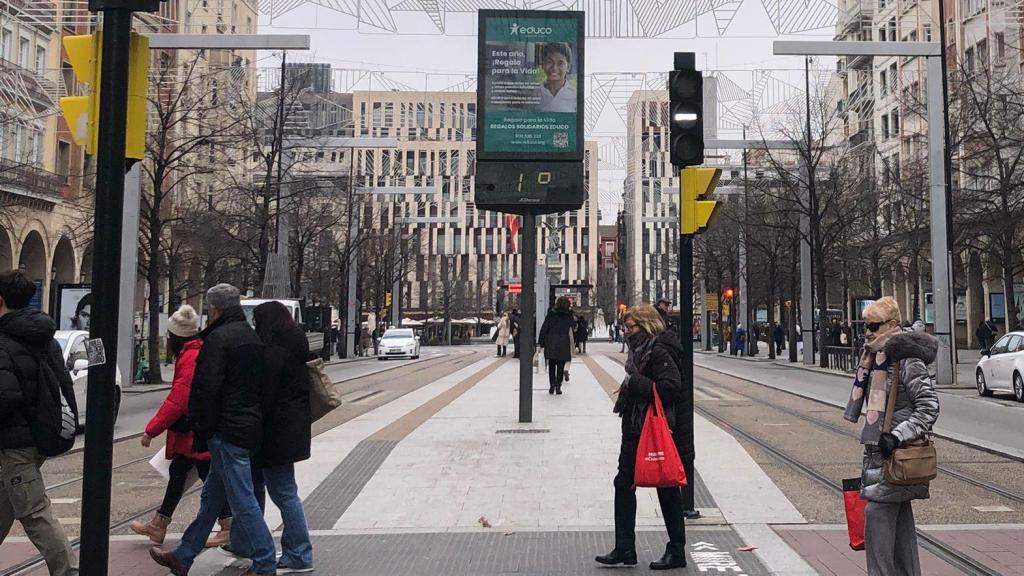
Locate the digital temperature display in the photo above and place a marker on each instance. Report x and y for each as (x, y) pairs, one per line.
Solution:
(537, 187)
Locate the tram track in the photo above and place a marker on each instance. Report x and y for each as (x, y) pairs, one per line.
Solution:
(379, 378)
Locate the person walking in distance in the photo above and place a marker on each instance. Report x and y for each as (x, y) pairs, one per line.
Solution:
(513, 322)
(890, 535)
(30, 360)
(287, 430)
(779, 335)
(581, 335)
(554, 338)
(984, 335)
(226, 415)
(503, 334)
(654, 357)
(183, 345)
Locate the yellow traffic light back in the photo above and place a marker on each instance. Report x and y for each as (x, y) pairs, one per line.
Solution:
(695, 183)
(82, 112)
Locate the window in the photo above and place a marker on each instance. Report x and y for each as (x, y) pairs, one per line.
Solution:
(40, 60)
(927, 33)
(7, 45)
(376, 115)
(883, 82)
(1001, 346)
(969, 59)
(885, 126)
(895, 124)
(1000, 46)
(63, 160)
(23, 52)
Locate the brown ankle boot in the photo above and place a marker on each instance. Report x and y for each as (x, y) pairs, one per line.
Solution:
(223, 536)
(155, 529)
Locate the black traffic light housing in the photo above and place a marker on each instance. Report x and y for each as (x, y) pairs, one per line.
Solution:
(686, 112)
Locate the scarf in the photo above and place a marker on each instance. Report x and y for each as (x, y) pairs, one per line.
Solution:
(872, 383)
(640, 345)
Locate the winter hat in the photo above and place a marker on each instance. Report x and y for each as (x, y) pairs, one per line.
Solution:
(184, 323)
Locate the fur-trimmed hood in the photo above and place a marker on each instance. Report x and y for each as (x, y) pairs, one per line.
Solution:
(912, 345)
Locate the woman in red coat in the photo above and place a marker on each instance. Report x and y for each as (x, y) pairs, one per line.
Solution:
(183, 344)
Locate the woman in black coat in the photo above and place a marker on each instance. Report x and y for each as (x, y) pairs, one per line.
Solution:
(286, 426)
(554, 339)
(654, 357)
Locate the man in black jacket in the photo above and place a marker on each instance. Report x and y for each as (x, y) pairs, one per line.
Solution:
(226, 417)
(26, 338)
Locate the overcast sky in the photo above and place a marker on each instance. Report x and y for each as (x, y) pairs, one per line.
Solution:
(423, 59)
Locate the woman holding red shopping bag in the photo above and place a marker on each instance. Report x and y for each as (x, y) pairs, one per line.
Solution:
(652, 368)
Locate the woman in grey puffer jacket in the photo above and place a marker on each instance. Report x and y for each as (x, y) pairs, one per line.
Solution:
(890, 533)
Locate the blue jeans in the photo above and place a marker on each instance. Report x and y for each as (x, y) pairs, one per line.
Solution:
(230, 480)
(279, 481)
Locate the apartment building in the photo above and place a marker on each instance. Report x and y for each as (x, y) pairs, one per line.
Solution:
(432, 170)
(651, 197)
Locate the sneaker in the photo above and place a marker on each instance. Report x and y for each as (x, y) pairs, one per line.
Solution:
(283, 568)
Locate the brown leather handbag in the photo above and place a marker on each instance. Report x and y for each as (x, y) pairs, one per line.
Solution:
(916, 461)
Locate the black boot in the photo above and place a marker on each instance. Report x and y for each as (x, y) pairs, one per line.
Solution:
(691, 514)
(616, 556)
(558, 390)
(671, 559)
(551, 390)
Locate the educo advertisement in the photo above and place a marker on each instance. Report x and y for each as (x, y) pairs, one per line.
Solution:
(530, 85)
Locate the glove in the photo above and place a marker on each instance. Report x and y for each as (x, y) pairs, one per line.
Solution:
(887, 443)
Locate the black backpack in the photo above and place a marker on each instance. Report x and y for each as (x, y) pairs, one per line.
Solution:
(52, 422)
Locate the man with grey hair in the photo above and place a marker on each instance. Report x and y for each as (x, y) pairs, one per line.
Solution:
(226, 419)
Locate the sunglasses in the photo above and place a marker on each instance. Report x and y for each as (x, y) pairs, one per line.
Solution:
(874, 326)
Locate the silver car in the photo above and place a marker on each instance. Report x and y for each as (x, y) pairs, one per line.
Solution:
(76, 360)
(1001, 368)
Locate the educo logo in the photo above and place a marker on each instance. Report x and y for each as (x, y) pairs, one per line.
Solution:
(516, 30)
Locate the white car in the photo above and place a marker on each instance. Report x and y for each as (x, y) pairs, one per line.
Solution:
(1001, 368)
(397, 343)
(72, 344)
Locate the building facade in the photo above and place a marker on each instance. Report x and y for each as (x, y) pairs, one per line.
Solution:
(430, 178)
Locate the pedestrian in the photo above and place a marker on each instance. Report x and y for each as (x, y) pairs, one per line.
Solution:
(741, 339)
(502, 335)
(846, 336)
(779, 335)
(664, 306)
(554, 338)
(654, 357)
(183, 345)
(984, 335)
(514, 319)
(287, 431)
(30, 362)
(582, 333)
(225, 412)
(835, 333)
(365, 340)
(889, 531)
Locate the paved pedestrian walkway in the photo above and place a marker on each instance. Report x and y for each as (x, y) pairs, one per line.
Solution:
(445, 481)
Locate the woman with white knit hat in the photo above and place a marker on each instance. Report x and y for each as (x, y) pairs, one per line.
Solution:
(183, 344)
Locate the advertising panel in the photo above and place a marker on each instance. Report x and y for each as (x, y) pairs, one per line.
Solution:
(530, 85)
(75, 306)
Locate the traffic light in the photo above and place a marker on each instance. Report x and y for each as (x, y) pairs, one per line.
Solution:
(387, 299)
(686, 112)
(728, 293)
(695, 183)
(82, 112)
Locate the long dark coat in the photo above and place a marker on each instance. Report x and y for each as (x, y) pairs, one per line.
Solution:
(662, 369)
(554, 335)
(286, 414)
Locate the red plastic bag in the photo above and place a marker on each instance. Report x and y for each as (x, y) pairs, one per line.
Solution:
(854, 512)
(657, 460)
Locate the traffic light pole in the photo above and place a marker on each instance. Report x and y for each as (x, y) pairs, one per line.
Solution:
(110, 175)
(686, 340)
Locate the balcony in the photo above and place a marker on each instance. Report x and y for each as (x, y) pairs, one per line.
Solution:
(863, 138)
(858, 14)
(28, 182)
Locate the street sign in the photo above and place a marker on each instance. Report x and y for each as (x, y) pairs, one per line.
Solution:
(694, 184)
(515, 287)
(711, 301)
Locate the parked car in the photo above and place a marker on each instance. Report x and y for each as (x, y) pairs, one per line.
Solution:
(1001, 368)
(399, 342)
(72, 345)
